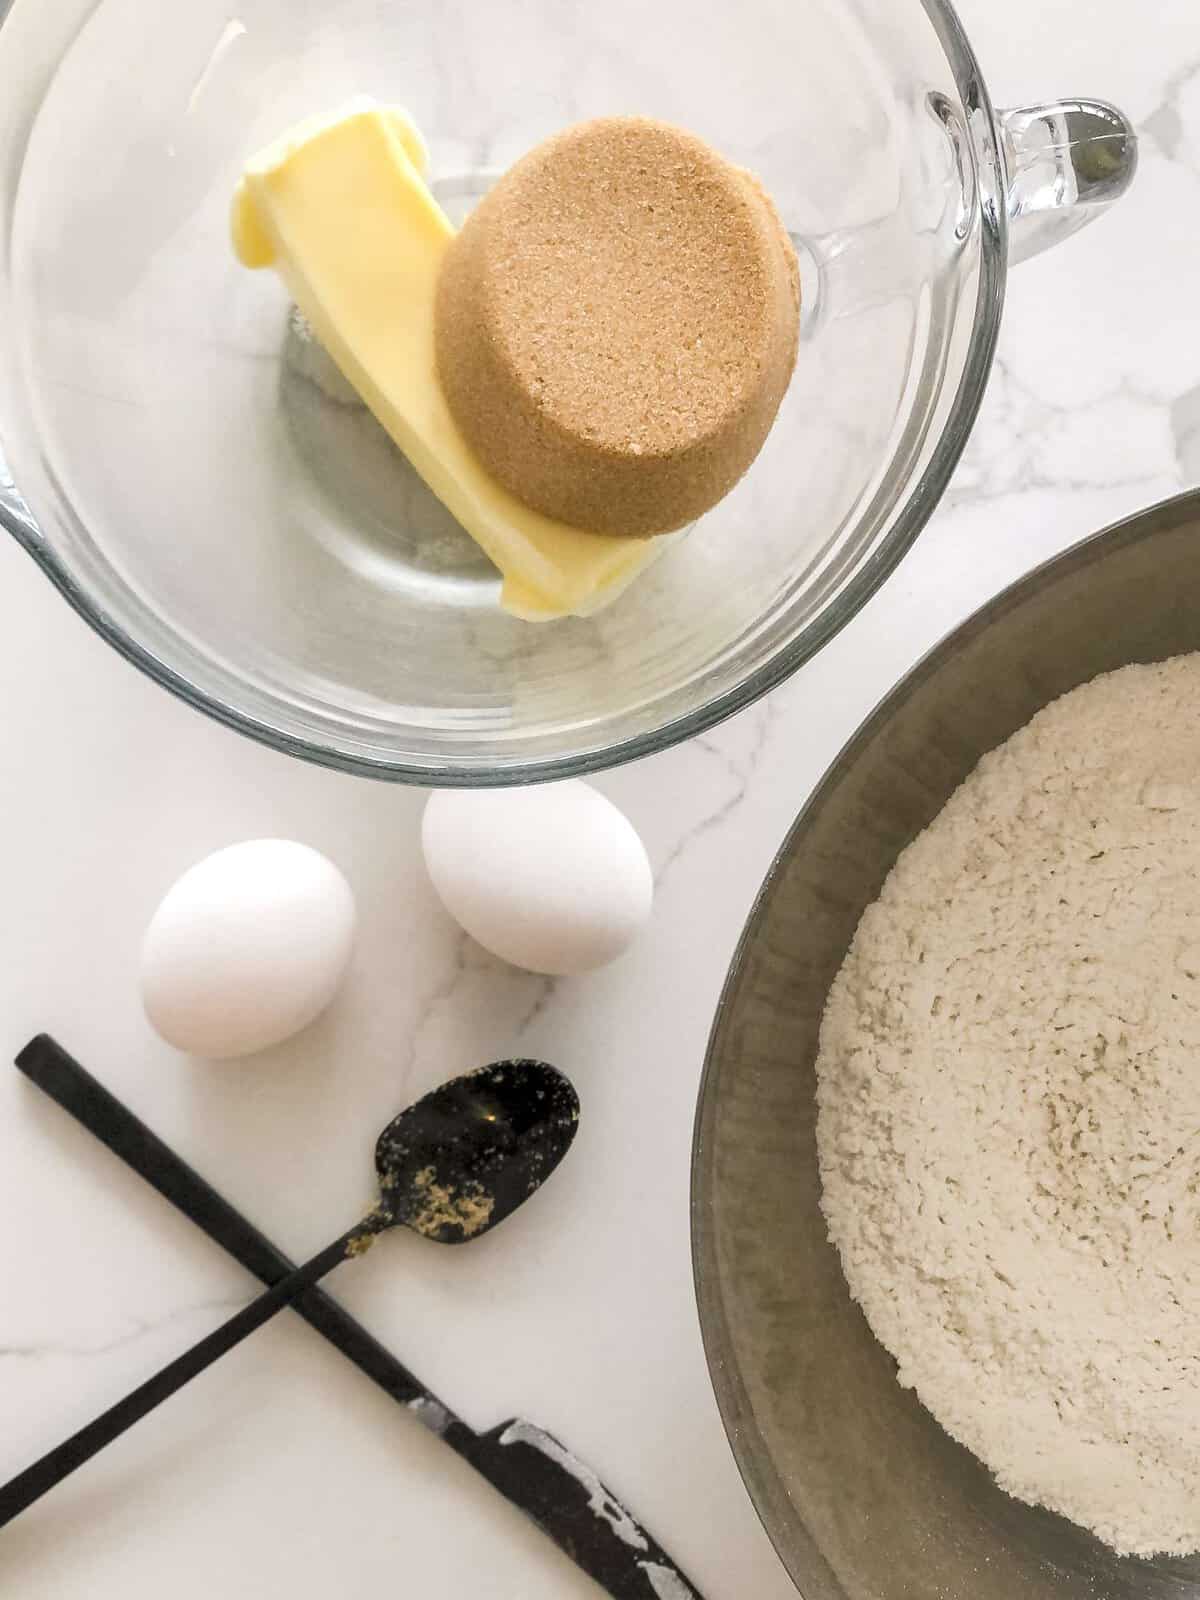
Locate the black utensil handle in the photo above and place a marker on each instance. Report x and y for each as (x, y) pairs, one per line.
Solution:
(19, 1493)
(540, 1477)
(71, 1086)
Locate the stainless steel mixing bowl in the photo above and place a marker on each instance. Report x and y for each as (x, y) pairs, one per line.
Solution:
(863, 1494)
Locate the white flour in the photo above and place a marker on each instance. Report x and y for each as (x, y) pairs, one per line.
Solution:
(1009, 1131)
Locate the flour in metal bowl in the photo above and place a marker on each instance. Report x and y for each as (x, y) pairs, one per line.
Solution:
(1009, 1110)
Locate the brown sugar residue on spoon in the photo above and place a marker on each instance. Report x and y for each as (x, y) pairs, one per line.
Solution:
(468, 1208)
(617, 324)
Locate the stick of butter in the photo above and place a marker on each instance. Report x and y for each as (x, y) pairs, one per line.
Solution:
(340, 208)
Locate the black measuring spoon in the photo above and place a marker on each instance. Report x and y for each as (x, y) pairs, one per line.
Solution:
(451, 1168)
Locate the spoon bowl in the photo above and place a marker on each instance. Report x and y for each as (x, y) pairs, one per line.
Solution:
(467, 1154)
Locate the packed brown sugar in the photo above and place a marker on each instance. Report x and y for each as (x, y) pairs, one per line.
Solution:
(617, 324)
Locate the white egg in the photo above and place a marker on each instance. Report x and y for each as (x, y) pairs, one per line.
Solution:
(247, 948)
(552, 878)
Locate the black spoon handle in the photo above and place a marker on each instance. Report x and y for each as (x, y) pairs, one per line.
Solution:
(62, 1079)
(536, 1474)
(19, 1493)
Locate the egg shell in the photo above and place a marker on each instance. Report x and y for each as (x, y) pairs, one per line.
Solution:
(553, 878)
(247, 948)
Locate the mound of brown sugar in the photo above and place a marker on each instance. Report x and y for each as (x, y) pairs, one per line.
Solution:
(617, 324)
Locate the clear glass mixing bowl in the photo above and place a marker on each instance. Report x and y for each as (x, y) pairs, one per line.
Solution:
(222, 509)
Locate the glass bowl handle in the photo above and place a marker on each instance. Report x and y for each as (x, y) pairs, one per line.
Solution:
(1065, 163)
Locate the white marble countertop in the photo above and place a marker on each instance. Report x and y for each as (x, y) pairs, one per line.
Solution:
(282, 1471)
